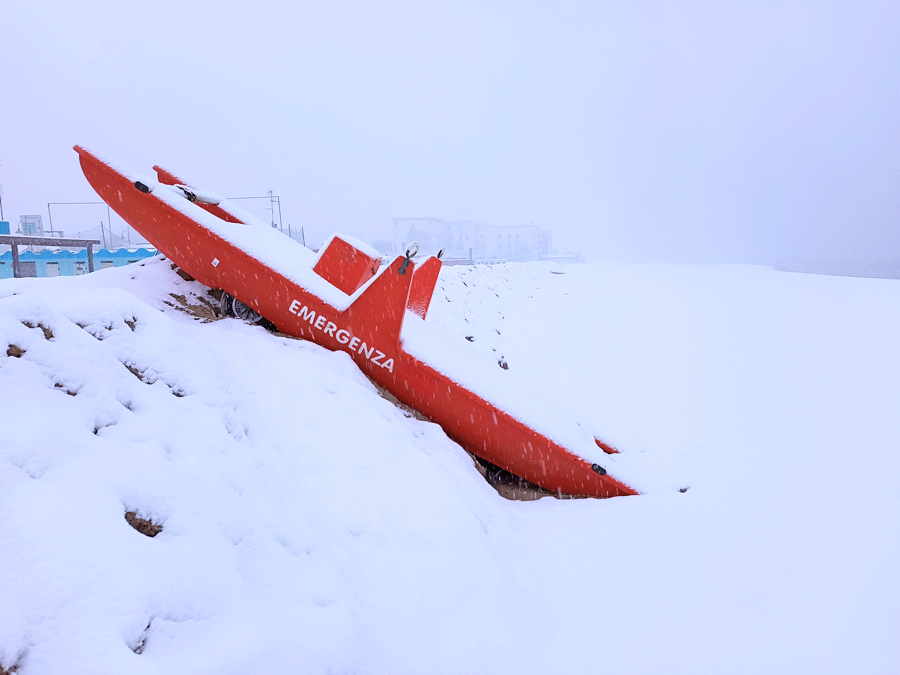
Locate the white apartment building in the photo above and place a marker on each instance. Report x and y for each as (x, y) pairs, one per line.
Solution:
(472, 240)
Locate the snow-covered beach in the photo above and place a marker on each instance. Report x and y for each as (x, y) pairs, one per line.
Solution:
(311, 526)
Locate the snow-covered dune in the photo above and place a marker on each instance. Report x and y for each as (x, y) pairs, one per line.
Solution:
(309, 526)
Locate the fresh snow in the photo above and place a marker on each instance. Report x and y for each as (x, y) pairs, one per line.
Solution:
(309, 526)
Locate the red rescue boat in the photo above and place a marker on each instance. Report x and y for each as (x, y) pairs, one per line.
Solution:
(339, 300)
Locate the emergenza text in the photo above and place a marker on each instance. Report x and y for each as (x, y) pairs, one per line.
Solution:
(343, 336)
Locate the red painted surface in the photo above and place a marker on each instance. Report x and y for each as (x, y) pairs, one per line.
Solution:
(606, 447)
(167, 178)
(424, 281)
(345, 266)
(369, 327)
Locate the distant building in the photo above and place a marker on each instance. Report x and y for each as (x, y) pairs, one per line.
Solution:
(522, 243)
(431, 233)
(31, 226)
(472, 240)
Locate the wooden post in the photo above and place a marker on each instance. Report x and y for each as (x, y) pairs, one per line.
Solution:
(90, 252)
(15, 256)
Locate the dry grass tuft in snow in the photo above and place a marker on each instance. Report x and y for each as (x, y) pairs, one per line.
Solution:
(14, 351)
(204, 310)
(143, 525)
(48, 334)
(59, 385)
(13, 667)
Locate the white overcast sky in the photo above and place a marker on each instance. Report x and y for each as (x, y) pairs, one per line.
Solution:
(735, 131)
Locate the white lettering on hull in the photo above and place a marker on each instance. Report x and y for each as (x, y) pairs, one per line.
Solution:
(343, 336)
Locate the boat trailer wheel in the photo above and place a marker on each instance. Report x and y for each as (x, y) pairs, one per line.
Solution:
(231, 306)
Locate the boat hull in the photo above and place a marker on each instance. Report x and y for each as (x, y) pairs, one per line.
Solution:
(368, 328)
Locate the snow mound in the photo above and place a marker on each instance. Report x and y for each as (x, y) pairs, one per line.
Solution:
(237, 442)
(181, 495)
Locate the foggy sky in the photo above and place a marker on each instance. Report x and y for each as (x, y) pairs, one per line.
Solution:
(734, 131)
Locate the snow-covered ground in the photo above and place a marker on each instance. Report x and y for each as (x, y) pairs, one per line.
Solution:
(309, 526)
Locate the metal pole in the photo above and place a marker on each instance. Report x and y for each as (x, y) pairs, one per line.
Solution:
(50, 214)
